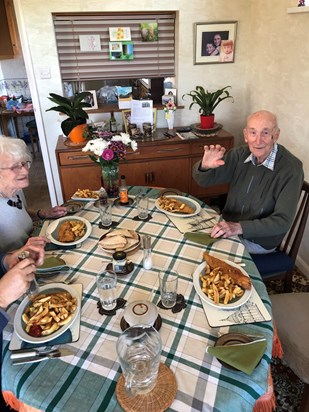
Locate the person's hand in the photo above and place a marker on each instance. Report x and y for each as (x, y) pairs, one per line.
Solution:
(37, 241)
(226, 229)
(16, 282)
(213, 156)
(35, 253)
(57, 211)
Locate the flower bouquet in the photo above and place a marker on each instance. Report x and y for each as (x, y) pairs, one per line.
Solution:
(169, 110)
(107, 149)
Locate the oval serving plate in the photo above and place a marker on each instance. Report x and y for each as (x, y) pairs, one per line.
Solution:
(86, 199)
(52, 229)
(127, 248)
(19, 325)
(236, 303)
(190, 202)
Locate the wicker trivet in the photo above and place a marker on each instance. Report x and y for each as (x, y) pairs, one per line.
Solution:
(159, 399)
(179, 305)
(125, 325)
(120, 304)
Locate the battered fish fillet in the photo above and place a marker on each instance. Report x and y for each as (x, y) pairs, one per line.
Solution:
(65, 233)
(236, 274)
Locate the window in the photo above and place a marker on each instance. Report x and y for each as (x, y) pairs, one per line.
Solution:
(152, 59)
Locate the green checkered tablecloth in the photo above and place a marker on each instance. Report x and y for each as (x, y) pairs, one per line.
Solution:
(87, 380)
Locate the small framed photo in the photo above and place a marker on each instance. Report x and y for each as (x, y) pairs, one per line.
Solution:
(92, 100)
(121, 50)
(214, 42)
(172, 93)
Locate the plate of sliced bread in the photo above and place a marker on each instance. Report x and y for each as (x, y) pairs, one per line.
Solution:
(180, 206)
(125, 240)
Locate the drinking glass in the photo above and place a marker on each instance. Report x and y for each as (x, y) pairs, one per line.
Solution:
(106, 213)
(106, 284)
(168, 287)
(139, 351)
(142, 202)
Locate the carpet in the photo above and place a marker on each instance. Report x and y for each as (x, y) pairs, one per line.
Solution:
(288, 387)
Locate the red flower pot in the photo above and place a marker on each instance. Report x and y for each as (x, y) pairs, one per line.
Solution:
(207, 122)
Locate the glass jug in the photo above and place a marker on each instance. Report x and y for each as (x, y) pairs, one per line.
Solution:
(139, 351)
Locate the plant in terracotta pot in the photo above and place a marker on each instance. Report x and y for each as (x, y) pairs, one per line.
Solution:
(207, 102)
(73, 126)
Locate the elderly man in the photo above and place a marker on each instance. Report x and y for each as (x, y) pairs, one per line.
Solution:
(265, 181)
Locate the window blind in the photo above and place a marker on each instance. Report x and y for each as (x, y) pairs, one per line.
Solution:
(151, 59)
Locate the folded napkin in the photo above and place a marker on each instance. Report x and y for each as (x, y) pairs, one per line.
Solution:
(243, 356)
(199, 237)
(52, 263)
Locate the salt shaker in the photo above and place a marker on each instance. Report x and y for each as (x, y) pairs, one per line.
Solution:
(147, 262)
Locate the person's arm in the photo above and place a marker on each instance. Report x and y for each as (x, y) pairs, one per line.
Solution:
(10, 259)
(53, 213)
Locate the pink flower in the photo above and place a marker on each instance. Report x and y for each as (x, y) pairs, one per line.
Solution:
(107, 154)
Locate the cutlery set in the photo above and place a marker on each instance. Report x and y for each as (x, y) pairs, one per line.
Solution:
(23, 356)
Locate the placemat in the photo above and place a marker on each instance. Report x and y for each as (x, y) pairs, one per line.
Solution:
(251, 312)
(70, 335)
(195, 223)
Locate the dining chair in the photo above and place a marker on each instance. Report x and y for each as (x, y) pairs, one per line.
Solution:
(291, 313)
(34, 136)
(280, 263)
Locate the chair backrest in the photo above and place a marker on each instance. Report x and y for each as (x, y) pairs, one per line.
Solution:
(291, 242)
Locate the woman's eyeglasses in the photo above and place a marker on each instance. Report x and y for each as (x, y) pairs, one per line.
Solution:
(16, 168)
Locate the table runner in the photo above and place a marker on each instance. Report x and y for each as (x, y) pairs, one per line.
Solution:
(87, 381)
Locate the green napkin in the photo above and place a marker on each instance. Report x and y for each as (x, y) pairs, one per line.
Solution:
(243, 356)
(200, 237)
(52, 263)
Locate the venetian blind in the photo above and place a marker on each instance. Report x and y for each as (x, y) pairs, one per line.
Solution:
(151, 59)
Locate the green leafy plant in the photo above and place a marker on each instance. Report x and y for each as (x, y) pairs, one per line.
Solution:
(72, 107)
(207, 101)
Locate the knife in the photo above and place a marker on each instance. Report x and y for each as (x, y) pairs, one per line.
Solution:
(56, 353)
(44, 228)
(23, 353)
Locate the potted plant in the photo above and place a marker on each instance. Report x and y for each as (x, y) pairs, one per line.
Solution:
(73, 126)
(207, 102)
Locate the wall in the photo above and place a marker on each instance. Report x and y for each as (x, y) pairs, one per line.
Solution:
(269, 44)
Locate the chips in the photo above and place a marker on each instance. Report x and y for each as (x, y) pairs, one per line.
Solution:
(173, 205)
(219, 286)
(71, 230)
(48, 312)
(86, 193)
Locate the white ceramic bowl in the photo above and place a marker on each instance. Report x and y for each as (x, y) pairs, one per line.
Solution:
(141, 312)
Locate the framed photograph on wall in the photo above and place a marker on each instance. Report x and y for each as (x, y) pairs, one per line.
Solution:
(92, 100)
(214, 42)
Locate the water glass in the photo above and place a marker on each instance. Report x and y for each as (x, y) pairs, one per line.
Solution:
(168, 287)
(106, 284)
(106, 213)
(142, 202)
(139, 351)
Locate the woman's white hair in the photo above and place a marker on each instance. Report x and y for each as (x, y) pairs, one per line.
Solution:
(14, 147)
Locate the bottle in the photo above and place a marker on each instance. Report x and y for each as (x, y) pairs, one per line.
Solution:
(147, 262)
(123, 191)
(103, 197)
(113, 123)
(105, 208)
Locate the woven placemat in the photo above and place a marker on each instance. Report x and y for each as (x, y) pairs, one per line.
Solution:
(159, 399)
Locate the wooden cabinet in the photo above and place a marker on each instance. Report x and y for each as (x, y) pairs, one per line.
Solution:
(9, 44)
(159, 163)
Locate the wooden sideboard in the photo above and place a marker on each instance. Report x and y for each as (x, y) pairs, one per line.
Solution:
(159, 162)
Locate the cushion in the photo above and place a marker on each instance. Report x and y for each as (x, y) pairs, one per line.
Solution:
(275, 262)
(291, 315)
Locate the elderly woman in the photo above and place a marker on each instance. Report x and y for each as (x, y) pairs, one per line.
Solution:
(16, 221)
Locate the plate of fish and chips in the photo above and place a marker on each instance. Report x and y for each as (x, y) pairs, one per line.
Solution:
(85, 195)
(180, 206)
(47, 315)
(222, 283)
(69, 231)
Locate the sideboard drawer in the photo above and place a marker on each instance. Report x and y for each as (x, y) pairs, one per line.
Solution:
(74, 158)
(198, 146)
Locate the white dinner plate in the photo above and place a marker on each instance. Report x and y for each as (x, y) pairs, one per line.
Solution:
(233, 305)
(50, 232)
(86, 199)
(190, 202)
(19, 325)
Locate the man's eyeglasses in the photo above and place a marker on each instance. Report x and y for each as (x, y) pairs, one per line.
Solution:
(16, 168)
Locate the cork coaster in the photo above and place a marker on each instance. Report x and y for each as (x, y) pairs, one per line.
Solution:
(159, 399)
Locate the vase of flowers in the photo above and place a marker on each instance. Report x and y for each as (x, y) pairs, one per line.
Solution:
(169, 113)
(107, 150)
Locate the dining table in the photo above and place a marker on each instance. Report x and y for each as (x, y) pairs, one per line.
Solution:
(86, 380)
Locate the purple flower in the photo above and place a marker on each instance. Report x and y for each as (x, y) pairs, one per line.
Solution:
(107, 154)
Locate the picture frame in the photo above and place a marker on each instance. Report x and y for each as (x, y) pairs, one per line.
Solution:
(126, 117)
(121, 50)
(208, 46)
(92, 100)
